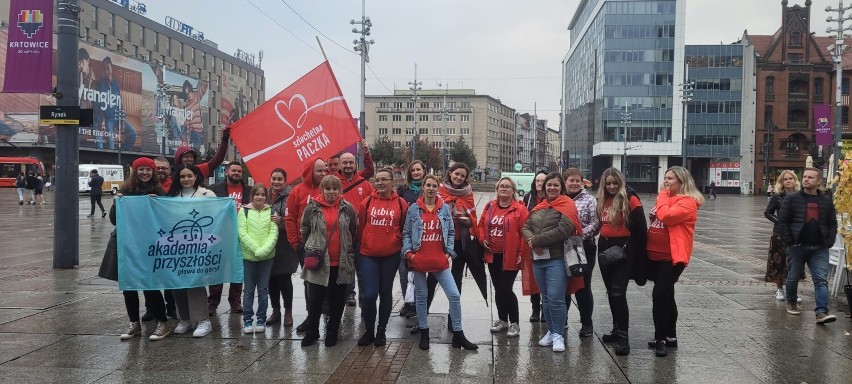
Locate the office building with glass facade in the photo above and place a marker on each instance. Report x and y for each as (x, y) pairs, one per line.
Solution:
(620, 95)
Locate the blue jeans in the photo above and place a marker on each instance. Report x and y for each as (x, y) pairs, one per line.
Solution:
(552, 280)
(817, 259)
(256, 276)
(445, 278)
(111, 126)
(377, 275)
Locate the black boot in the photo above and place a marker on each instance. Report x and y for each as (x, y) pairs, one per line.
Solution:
(380, 337)
(414, 330)
(301, 328)
(623, 346)
(309, 339)
(424, 339)
(660, 348)
(331, 333)
(367, 338)
(459, 341)
(612, 336)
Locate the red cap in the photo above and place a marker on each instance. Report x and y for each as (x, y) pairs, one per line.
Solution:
(143, 162)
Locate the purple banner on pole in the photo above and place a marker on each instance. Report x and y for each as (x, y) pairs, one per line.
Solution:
(29, 53)
(822, 124)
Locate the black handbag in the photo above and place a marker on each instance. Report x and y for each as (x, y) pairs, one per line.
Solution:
(612, 256)
(109, 265)
(575, 257)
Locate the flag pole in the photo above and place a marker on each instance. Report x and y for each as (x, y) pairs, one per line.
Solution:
(321, 48)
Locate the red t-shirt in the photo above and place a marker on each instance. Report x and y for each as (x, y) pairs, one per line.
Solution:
(496, 227)
(236, 191)
(332, 229)
(431, 242)
(659, 248)
(616, 227)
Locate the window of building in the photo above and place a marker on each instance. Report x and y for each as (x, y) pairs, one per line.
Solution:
(424, 104)
(437, 105)
(451, 104)
(397, 131)
(844, 115)
(409, 131)
(409, 104)
(384, 104)
(95, 17)
(844, 86)
(796, 39)
(397, 117)
(383, 131)
(409, 117)
(111, 24)
(423, 118)
(465, 117)
(451, 131)
(437, 131)
(383, 117)
(769, 87)
(465, 104)
(464, 131)
(423, 131)
(397, 104)
(437, 118)
(796, 58)
(397, 144)
(451, 117)
(818, 86)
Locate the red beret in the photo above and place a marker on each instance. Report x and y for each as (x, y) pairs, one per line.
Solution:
(143, 162)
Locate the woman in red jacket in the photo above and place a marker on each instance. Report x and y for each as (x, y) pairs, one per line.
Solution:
(500, 230)
(380, 222)
(670, 238)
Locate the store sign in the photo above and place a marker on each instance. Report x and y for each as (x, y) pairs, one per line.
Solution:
(184, 28)
(133, 6)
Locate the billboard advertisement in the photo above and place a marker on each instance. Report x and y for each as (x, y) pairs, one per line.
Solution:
(233, 103)
(137, 106)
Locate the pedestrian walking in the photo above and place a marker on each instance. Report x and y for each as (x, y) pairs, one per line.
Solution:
(711, 193)
(670, 240)
(258, 236)
(96, 185)
(428, 245)
(21, 186)
(328, 229)
(142, 182)
(410, 192)
(191, 303)
(807, 223)
(550, 224)
(587, 211)
(500, 228)
(312, 174)
(380, 222)
(234, 187)
(285, 263)
(623, 227)
(38, 192)
(531, 199)
(776, 264)
(32, 183)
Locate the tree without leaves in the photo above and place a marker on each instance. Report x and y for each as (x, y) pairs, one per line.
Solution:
(384, 153)
(463, 153)
(426, 153)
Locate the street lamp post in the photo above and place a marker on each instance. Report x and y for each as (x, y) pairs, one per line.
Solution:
(414, 87)
(837, 50)
(445, 113)
(686, 93)
(625, 121)
(362, 46)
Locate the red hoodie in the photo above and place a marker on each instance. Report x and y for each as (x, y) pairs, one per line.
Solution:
(381, 220)
(359, 189)
(297, 201)
(431, 254)
(331, 214)
(502, 229)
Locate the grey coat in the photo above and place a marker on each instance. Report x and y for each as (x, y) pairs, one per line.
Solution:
(548, 229)
(314, 233)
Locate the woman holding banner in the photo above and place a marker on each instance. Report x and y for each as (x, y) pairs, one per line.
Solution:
(328, 229)
(191, 303)
(140, 183)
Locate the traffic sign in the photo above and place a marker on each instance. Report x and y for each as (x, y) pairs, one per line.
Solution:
(54, 114)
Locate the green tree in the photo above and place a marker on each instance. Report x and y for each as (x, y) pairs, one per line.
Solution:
(426, 153)
(463, 153)
(384, 153)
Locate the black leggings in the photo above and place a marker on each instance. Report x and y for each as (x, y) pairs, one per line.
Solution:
(281, 286)
(504, 295)
(153, 301)
(96, 200)
(615, 279)
(663, 297)
(336, 294)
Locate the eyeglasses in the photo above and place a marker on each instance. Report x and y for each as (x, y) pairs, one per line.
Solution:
(162, 168)
(504, 187)
(383, 180)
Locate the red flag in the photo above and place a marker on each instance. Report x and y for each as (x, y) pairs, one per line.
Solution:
(308, 119)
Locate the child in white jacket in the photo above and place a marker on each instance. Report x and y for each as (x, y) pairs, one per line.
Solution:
(258, 235)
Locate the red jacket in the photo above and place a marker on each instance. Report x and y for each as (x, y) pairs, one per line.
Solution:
(679, 214)
(514, 246)
(297, 201)
(381, 220)
(359, 189)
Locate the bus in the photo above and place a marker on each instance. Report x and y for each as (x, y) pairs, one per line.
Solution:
(113, 177)
(11, 167)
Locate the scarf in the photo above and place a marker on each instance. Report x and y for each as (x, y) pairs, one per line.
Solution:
(566, 207)
(415, 185)
(461, 198)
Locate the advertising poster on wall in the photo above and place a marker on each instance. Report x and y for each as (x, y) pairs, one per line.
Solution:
(233, 101)
(176, 111)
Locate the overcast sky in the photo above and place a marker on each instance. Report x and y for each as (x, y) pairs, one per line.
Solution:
(508, 49)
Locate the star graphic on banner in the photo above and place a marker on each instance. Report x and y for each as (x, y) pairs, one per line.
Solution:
(161, 232)
(194, 213)
(212, 238)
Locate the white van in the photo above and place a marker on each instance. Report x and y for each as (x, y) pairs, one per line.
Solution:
(113, 177)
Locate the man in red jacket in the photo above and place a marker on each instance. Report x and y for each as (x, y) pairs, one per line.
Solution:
(315, 169)
(355, 189)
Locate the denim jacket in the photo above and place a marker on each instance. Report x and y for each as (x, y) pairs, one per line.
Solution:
(412, 232)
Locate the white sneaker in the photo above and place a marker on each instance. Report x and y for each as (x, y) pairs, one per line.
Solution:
(547, 340)
(798, 299)
(779, 295)
(558, 343)
(514, 330)
(248, 327)
(182, 327)
(203, 329)
(499, 326)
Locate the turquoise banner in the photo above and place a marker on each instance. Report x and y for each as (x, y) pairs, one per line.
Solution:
(173, 242)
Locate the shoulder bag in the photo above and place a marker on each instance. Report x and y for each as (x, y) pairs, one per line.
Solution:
(575, 257)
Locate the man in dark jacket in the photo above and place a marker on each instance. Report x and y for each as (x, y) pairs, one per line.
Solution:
(233, 186)
(96, 185)
(807, 223)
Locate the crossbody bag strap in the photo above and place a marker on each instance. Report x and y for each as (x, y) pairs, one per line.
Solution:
(349, 188)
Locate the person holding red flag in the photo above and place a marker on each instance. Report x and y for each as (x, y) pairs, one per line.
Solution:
(550, 224)
(315, 169)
